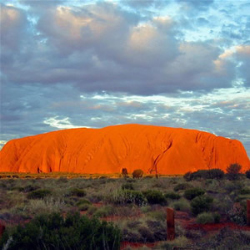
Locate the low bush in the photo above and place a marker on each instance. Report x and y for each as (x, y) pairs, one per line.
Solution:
(200, 174)
(233, 171)
(213, 173)
(154, 197)
(52, 231)
(245, 191)
(248, 174)
(182, 186)
(172, 196)
(83, 201)
(128, 186)
(124, 172)
(238, 213)
(201, 204)
(158, 215)
(193, 192)
(84, 207)
(127, 197)
(148, 177)
(39, 194)
(146, 234)
(205, 218)
(77, 192)
(181, 205)
(138, 173)
(28, 188)
(62, 179)
(216, 218)
(188, 176)
(104, 211)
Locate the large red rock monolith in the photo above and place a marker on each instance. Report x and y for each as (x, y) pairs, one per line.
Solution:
(170, 224)
(248, 212)
(153, 149)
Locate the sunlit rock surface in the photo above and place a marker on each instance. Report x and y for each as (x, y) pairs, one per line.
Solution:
(108, 150)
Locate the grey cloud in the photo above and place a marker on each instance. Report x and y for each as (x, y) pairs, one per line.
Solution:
(145, 3)
(196, 111)
(243, 55)
(13, 25)
(126, 57)
(197, 4)
(202, 21)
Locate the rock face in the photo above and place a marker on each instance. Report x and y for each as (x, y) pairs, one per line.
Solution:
(110, 149)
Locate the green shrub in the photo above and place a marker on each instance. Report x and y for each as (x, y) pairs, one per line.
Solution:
(148, 177)
(201, 204)
(128, 186)
(248, 174)
(29, 188)
(83, 201)
(237, 213)
(159, 215)
(205, 218)
(172, 196)
(62, 179)
(233, 171)
(138, 173)
(215, 173)
(39, 194)
(146, 234)
(216, 218)
(104, 211)
(127, 197)
(84, 207)
(103, 178)
(91, 210)
(188, 176)
(200, 174)
(154, 197)
(52, 231)
(193, 192)
(181, 205)
(182, 186)
(245, 191)
(77, 192)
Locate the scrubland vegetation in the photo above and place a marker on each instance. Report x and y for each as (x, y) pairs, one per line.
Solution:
(113, 213)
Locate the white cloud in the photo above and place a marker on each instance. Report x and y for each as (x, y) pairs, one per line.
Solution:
(63, 123)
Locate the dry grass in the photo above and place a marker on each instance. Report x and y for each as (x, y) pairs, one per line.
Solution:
(144, 223)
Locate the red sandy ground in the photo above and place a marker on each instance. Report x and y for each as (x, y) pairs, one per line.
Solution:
(189, 223)
(186, 222)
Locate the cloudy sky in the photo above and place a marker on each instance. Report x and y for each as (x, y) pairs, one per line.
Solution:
(176, 63)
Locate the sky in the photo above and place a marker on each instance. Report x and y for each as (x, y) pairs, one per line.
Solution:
(176, 63)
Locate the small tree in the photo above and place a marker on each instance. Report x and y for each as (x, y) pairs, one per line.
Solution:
(248, 174)
(138, 173)
(125, 173)
(233, 171)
